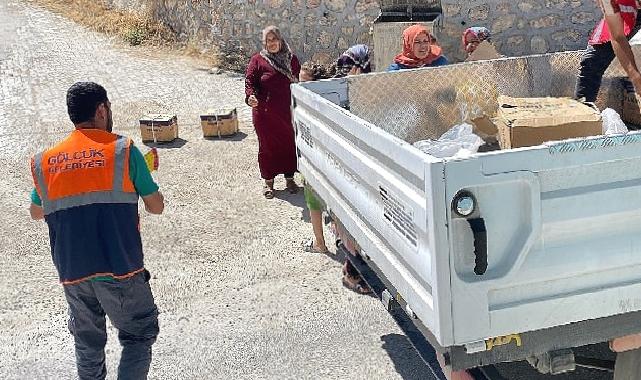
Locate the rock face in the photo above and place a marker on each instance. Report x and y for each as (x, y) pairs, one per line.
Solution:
(521, 27)
(324, 28)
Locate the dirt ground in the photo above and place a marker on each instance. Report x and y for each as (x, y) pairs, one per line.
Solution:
(239, 299)
(238, 296)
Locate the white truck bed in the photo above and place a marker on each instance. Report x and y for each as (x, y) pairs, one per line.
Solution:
(562, 220)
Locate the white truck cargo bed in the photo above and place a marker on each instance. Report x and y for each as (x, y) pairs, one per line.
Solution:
(560, 223)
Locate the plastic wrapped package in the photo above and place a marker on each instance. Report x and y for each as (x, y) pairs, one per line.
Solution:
(458, 141)
(612, 123)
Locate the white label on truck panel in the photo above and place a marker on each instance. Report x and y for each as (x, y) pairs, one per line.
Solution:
(399, 215)
(343, 170)
(305, 133)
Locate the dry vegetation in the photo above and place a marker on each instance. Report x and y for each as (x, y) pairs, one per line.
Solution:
(133, 28)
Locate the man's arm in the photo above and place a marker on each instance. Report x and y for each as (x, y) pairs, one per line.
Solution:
(36, 212)
(144, 183)
(154, 203)
(622, 49)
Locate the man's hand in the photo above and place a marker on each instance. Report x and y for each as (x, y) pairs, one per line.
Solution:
(154, 203)
(636, 81)
(626, 343)
(622, 49)
(36, 212)
(252, 101)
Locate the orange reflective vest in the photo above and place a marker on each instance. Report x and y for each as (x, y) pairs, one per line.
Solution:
(90, 166)
(90, 205)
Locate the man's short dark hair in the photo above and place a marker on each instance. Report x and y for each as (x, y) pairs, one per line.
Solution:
(83, 98)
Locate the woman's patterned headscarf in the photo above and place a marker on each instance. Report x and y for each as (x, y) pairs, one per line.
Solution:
(281, 61)
(478, 33)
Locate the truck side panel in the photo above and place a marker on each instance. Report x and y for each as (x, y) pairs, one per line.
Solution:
(377, 187)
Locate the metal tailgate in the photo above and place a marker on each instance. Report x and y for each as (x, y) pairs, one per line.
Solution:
(384, 191)
(563, 230)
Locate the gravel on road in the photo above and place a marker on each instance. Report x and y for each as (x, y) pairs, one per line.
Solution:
(238, 297)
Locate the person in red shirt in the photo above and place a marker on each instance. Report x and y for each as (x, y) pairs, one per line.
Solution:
(608, 40)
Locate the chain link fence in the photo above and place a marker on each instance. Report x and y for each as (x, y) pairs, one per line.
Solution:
(422, 104)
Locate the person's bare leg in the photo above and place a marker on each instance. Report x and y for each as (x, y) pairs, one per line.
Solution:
(290, 184)
(268, 189)
(449, 374)
(317, 224)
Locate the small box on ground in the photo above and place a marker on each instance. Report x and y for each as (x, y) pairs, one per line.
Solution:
(159, 127)
(631, 112)
(525, 122)
(219, 122)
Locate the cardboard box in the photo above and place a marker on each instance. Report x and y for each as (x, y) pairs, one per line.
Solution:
(631, 101)
(220, 122)
(484, 52)
(532, 121)
(159, 128)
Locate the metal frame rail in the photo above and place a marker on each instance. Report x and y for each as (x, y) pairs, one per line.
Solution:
(594, 363)
(415, 334)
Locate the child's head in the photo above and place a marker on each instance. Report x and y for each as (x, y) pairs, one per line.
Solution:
(473, 36)
(311, 71)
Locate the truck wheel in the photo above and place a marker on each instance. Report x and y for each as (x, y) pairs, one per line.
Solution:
(628, 365)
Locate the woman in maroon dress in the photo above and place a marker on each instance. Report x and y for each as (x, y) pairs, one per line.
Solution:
(267, 80)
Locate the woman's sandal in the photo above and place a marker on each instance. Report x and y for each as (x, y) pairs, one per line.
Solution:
(358, 286)
(308, 246)
(268, 192)
(291, 186)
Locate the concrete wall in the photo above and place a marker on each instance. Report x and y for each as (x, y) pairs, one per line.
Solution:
(322, 29)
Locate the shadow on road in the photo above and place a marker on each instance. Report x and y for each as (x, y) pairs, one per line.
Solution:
(304, 215)
(177, 143)
(297, 200)
(238, 136)
(406, 361)
(339, 257)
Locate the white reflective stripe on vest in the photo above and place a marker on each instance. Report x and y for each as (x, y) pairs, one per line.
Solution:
(627, 9)
(37, 168)
(85, 199)
(119, 164)
(597, 32)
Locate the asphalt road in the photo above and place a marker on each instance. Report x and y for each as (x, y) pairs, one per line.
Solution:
(238, 297)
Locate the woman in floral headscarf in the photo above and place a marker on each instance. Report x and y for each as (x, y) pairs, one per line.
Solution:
(353, 61)
(267, 80)
(473, 36)
(419, 50)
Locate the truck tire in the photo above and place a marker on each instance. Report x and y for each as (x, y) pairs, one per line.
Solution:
(628, 365)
